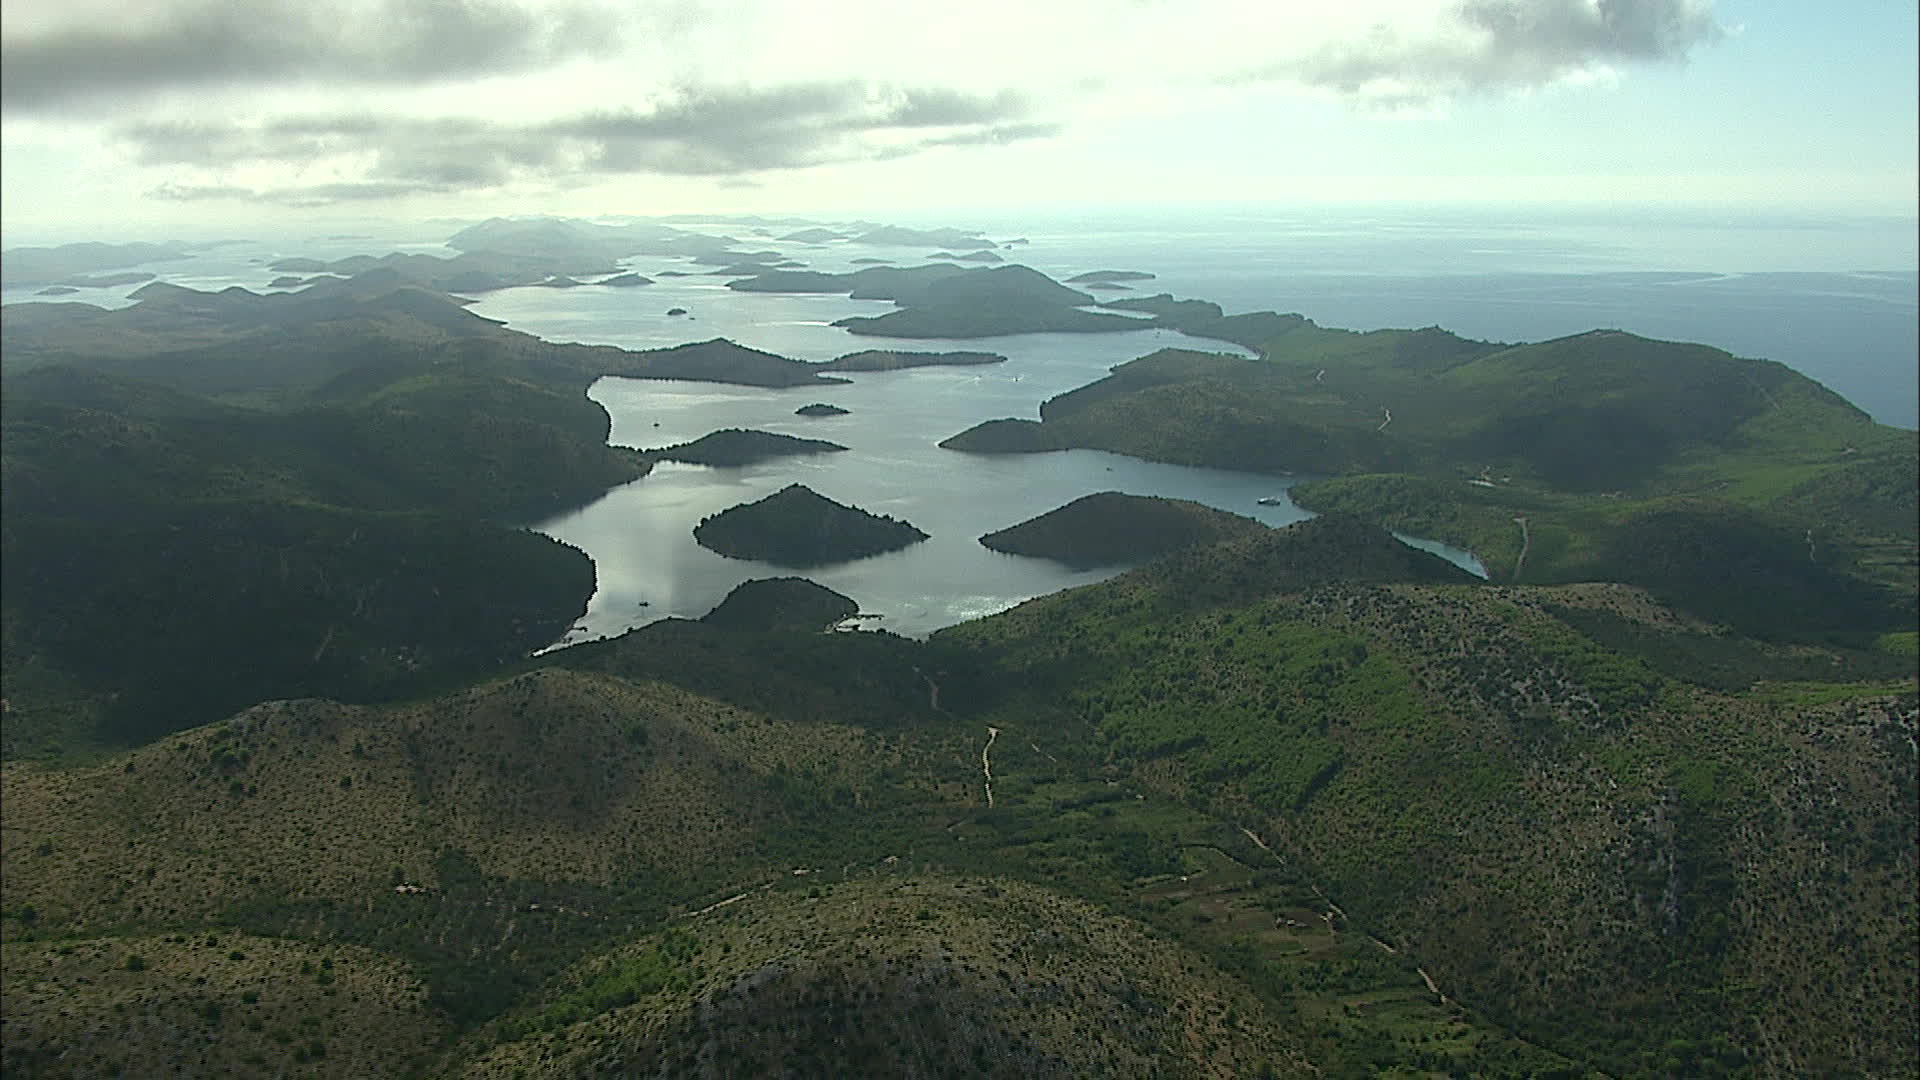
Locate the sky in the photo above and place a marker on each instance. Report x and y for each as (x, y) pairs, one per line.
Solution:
(173, 113)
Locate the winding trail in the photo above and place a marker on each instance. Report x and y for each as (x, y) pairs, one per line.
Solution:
(1388, 420)
(1262, 844)
(933, 691)
(986, 765)
(1526, 544)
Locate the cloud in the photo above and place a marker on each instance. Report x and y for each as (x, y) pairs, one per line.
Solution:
(208, 43)
(1487, 45)
(718, 132)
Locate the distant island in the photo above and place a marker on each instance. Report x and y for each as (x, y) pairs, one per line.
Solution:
(736, 447)
(820, 408)
(797, 526)
(891, 360)
(896, 236)
(624, 281)
(811, 236)
(1109, 276)
(787, 603)
(108, 281)
(988, 303)
(58, 265)
(973, 256)
(1111, 529)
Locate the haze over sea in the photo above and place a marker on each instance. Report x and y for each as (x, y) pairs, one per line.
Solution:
(1835, 299)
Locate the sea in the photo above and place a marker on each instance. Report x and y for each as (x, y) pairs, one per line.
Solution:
(1834, 298)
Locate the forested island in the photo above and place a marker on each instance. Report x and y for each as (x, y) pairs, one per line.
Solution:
(735, 447)
(797, 526)
(1110, 528)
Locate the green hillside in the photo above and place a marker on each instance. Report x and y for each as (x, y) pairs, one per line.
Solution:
(1599, 456)
(1110, 528)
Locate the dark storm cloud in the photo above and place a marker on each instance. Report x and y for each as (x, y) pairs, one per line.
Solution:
(720, 132)
(265, 42)
(1506, 44)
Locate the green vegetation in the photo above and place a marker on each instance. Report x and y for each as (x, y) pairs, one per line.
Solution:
(893, 360)
(1296, 802)
(736, 447)
(797, 526)
(214, 499)
(1735, 489)
(1109, 528)
(781, 603)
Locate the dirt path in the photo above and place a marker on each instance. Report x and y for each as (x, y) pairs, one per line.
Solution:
(724, 903)
(1262, 844)
(1526, 545)
(986, 764)
(1388, 420)
(933, 691)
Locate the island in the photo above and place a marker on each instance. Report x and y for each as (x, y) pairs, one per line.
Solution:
(287, 281)
(56, 265)
(820, 408)
(108, 281)
(868, 260)
(57, 290)
(990, 302)
(786, 603)
(676, 311)
(891, 360)
(797, 526)
(1112, 529)
(1109, 276)
(736, 447)
(811, 236)
(625, 281)
(736, 258)
(974, 256)
(897, 236)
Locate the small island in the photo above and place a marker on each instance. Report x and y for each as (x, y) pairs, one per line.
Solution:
(891, 360)
(625, 281)
(820, 408)
(287, 281)
(787, 603)
(797, 526)
(1109, 277)
(676, 311)
(1011, 299)
(57, 290)
(737, 447)
(811, 236)
(1112, 529)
